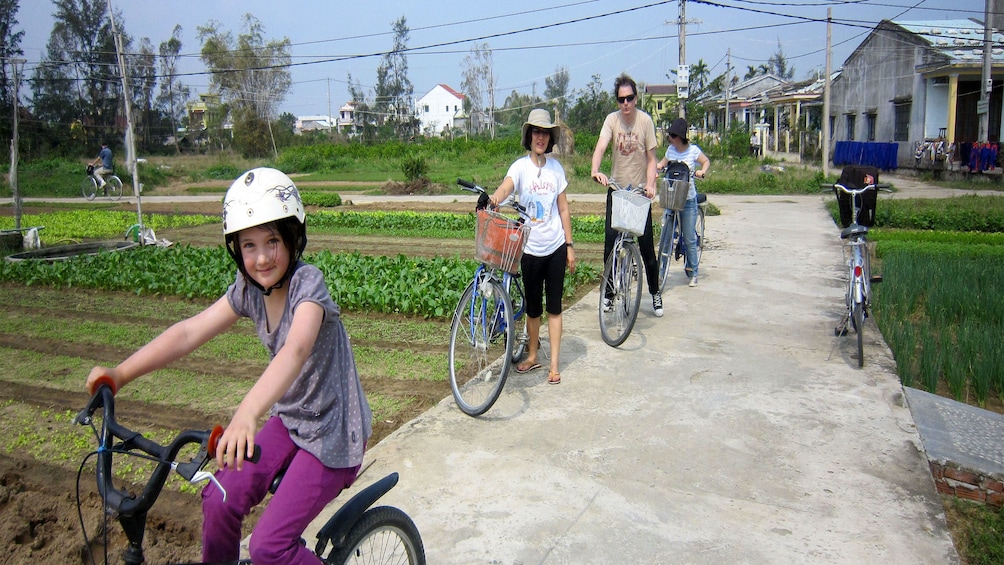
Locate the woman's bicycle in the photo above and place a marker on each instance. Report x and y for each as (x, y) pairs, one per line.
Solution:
(488, 334)
(90, 185)
(673, 190)
(856, 193)
(356, 533)
(620, 286)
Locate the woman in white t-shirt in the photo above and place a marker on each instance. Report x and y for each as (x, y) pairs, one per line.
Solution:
(539, 183)
(680, 149)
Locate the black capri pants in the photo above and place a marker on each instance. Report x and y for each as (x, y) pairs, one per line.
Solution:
(544, 273)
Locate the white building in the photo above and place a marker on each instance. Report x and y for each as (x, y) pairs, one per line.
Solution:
(440, 108)
(313, 123)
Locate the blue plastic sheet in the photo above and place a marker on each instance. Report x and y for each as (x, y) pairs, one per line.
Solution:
(876, 154)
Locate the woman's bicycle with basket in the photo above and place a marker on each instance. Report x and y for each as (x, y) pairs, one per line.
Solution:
(674, 187)
(90, 185)
(488, 334)
(856, 193)
(356, 533)
(620, 286)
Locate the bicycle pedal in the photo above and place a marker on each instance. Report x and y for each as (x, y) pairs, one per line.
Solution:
(840, 332)
(876, 279)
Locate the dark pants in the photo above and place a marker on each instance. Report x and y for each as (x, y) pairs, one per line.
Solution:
(544, 273)
(645, 245)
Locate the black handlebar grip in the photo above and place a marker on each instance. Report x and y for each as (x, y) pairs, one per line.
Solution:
(466, 183)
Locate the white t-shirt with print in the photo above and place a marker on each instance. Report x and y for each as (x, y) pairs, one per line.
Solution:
(537, 189)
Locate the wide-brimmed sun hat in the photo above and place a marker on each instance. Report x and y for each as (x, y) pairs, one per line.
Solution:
(542, 119)
(679, 128)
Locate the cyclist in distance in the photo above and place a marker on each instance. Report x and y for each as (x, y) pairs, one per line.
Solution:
(633, 155)
(539, 183)
(680, 149)
(103, 164)
(319, 419)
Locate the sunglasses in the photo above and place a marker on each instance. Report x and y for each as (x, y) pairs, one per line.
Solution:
(540, 131)
(623, 99)
(673, 136)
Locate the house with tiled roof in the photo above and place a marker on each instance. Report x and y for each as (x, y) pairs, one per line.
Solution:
(440, 111)
(910, 82)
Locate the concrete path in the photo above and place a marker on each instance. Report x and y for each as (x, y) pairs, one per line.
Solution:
(736, 429)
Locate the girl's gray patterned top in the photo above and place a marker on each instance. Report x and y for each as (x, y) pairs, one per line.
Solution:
(324, 409)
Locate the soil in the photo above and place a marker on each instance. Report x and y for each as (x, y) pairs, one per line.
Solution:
(39, 521)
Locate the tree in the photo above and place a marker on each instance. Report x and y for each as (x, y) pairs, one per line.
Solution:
(591, 108)
(143, 82)
(361, 122)
(173, 95)
(10, 49)
(78, 80)
(556, 91)
(699, 73)
(394, 91)
(479, 84)
(778, 64)
(252, 77)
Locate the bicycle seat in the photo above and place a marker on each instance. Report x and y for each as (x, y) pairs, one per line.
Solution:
(702, 198)
(853, 230)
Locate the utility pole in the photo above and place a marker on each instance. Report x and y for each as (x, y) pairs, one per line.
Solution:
(826, 100)
(728, 85)
(15, 66)
(983, 106)
(130, 138)
(683, 53)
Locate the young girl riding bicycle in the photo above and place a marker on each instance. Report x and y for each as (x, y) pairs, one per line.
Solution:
(319, 419)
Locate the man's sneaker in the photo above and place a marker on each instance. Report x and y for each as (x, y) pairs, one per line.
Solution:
(693, 282)
(608, 304)
(657, 304)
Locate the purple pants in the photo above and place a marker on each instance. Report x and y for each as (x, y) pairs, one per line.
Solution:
(305, 490)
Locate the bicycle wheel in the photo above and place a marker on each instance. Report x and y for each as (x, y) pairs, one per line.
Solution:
(858, 317)
(700, 233)
(481, 343)
(383, 535)
(518, 299)
(665, 248)
(89, 187)
(621, 278)
(113, 188)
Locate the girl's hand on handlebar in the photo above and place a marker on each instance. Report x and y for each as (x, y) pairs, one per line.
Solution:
(98, 372)
(237, 442)
(700, 174)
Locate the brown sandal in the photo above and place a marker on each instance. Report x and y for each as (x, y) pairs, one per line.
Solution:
(553, 378)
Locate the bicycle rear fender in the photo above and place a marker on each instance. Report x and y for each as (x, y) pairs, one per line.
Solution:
(338, 526)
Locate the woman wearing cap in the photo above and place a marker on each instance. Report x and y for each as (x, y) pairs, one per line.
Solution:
(320, 420)
(680, 149)
(539, 183)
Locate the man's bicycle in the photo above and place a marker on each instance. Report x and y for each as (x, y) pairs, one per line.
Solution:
(620, 286)
(673, 189)
(356, 533)
(856, 193)
(91, 185)
(488, 334)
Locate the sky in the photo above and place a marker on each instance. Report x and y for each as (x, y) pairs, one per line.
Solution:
(529, 40)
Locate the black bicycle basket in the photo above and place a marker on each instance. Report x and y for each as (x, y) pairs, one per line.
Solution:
(854, 177)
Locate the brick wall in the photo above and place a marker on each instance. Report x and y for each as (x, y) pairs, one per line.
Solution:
(969, 485)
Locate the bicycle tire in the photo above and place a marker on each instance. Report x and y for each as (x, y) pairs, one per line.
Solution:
(89, 187)
(700, 234)
(481, 345)
(383, 536)
(518, 298)
(622, 274)
(858, 316)
(113, 187)
(665, 249)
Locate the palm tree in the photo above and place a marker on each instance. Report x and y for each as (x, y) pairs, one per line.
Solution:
(699, 73)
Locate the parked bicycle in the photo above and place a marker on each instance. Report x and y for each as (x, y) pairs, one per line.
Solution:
(356, 533)
(673, 189)
(488, 334)
(856, 193)
(91, 185)
(620, 285)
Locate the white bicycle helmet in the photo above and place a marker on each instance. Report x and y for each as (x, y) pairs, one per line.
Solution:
(265, 196)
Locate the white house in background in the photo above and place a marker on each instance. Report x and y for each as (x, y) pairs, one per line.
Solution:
(440, 108)
(306, 124)
(346, 123)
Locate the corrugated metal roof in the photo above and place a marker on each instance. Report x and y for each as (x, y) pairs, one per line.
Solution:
(960, 40)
